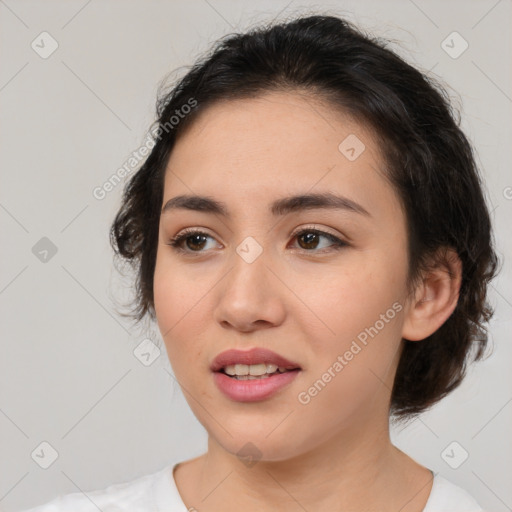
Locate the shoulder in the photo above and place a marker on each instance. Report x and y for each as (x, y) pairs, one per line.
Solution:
(135, 496)
(448, 497)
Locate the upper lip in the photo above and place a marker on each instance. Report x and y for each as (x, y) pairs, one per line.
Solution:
(253, 356)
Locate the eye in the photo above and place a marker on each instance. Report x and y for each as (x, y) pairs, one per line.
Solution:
(195, 240)
(311, 236)
(196, 236)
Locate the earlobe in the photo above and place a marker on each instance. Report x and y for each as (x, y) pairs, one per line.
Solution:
(436, 297)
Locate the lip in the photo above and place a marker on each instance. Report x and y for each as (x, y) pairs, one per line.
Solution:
(257, 389)
(253, 390)
(253, 356)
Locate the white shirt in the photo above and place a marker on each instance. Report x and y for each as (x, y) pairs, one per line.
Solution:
(157, 492)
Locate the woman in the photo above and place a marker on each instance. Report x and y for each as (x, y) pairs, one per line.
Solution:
(310, 235)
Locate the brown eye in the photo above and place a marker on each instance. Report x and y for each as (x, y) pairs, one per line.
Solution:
(309, 239)
(194, 241)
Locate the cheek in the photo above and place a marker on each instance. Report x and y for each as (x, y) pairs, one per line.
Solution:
(352, 370)
(174, 293)
(177, 306)
(360, 309)
(349, 299)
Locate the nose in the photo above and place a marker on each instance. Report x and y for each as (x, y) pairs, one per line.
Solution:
(250, 297)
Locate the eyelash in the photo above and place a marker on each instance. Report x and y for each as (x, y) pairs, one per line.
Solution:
(176, 242)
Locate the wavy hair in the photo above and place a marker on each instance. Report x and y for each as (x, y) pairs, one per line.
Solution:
(429, 162)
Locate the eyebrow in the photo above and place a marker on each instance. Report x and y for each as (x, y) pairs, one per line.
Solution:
(280, 207)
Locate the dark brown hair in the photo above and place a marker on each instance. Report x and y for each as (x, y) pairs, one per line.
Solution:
(430, 163)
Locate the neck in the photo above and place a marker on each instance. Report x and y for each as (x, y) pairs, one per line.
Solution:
(358, 469)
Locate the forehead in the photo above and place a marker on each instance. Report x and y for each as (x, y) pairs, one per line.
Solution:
(273, 121)
(258, 148)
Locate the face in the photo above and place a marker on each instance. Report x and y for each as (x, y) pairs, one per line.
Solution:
(323, 287)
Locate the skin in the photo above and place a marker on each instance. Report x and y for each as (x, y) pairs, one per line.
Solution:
(305, 300)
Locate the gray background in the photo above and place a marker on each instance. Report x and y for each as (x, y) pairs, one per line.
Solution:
(68, 373)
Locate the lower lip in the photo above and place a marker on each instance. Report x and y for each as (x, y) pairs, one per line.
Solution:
(253, 390)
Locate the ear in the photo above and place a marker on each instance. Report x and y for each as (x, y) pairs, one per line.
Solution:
(435, 297)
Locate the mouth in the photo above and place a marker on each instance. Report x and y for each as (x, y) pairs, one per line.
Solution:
(256, 362)
(254, 371)
(253, 375)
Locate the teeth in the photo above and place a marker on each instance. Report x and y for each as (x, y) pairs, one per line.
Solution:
(251, 377)
(241, 369)
(252, 370)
